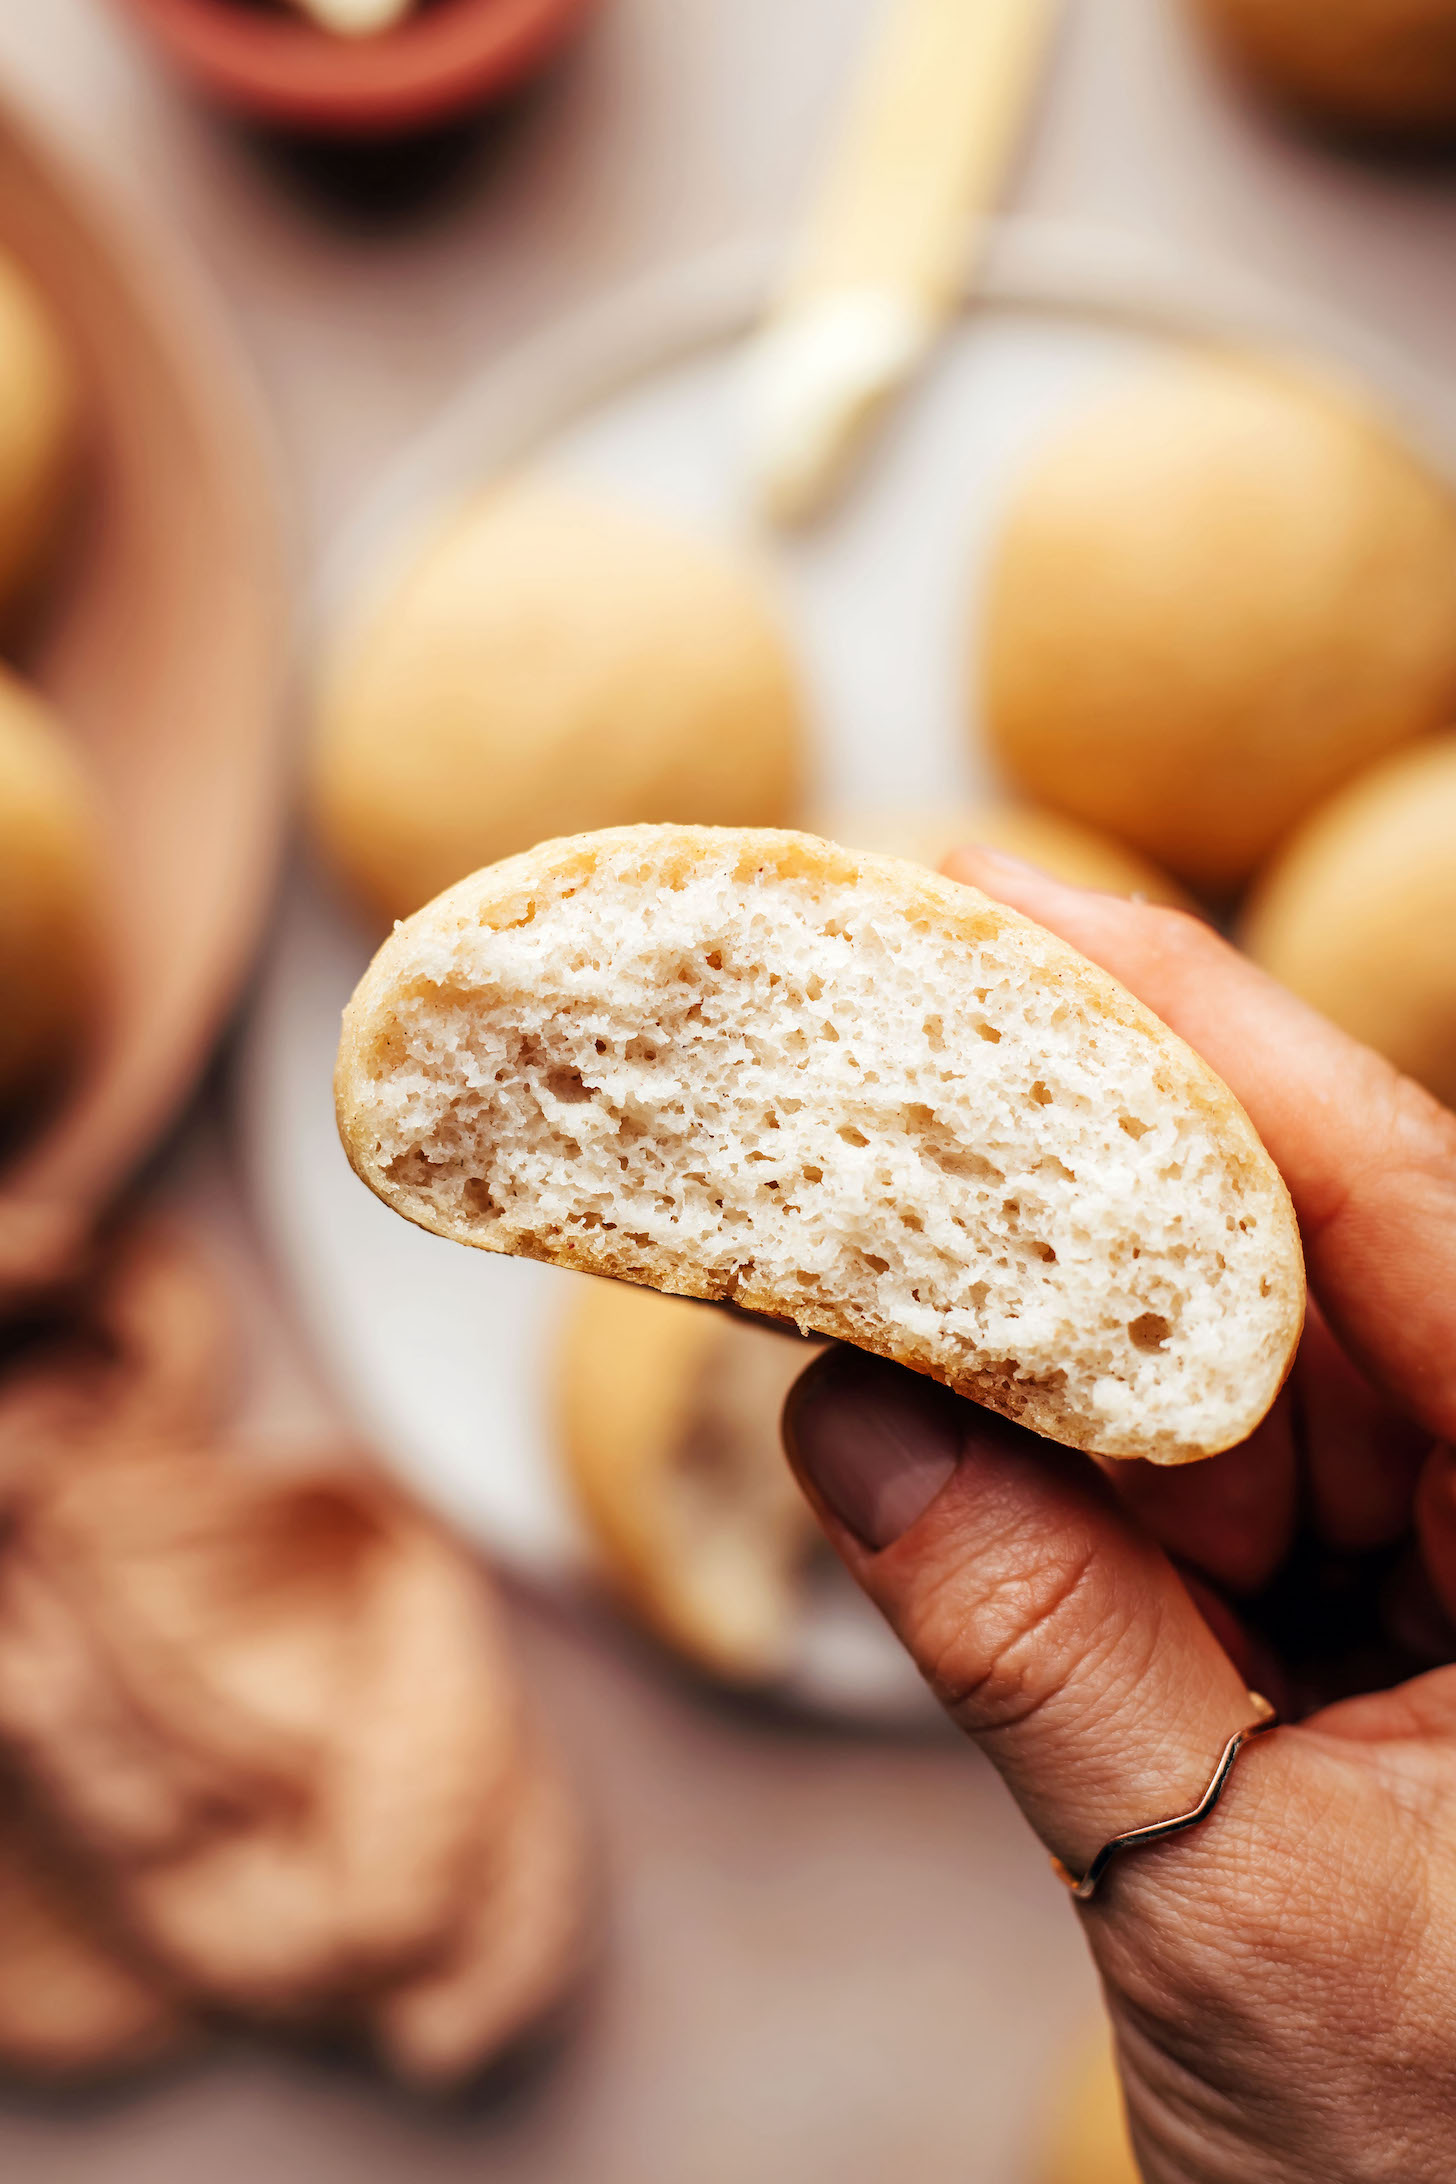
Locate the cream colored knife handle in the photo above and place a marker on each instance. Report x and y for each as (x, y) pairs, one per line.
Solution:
(935, 114)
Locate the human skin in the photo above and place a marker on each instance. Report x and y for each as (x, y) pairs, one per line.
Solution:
(1282, 1978)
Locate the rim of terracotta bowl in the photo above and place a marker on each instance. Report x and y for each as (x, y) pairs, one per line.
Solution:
(104, 265)
(434, 66)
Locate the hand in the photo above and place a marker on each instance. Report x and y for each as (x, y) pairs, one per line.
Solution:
(1282, 1979)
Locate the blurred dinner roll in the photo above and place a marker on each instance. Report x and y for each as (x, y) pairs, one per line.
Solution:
(1218, 594)
(670, 1434)
(548, 664)
(1076, 854)
(39, 417)
(1089, 2141)
(1358, 913)
(49, 864)
(1381, 66)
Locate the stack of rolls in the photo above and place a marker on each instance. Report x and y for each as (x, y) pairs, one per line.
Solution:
(263, 1753)
(1218, 594)
(1221, 627)
(1357, 912)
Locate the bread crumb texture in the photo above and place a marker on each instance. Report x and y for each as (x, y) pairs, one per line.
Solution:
(747, 1064)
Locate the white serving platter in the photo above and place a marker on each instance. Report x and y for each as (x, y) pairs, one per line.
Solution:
(445, 1356)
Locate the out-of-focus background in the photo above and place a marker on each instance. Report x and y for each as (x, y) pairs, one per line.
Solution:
(706, 1915)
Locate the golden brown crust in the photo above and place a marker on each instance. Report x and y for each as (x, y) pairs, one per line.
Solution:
(1080, 855)
(669, 1437)
(1218, 593)
(549, 661)
(1357, 914)
(508, 894)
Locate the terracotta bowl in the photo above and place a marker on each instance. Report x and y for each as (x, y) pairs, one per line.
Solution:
(446, 60)
(161, 641)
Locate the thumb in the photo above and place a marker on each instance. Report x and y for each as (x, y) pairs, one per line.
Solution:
(1052, 1629)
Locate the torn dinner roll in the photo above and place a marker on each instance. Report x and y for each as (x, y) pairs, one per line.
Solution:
(840, 1091)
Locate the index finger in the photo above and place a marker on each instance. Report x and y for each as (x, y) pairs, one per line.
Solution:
(1369, 1158)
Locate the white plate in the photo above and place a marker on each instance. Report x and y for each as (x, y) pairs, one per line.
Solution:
(445, 1355)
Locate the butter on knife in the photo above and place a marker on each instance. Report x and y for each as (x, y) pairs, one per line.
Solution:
(934, 117)
(354, 18)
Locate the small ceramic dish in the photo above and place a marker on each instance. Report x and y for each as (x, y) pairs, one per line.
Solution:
(161, 642)
(446, 59)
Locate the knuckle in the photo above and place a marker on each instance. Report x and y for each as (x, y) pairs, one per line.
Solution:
(1182, 932)
(1282, 1960)
(1411, 1138)
(995, 1654)
(1181, 938)
(1416, 1118)
(1281, 1879)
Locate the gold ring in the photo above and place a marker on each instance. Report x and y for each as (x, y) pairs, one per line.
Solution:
(1084, 1885)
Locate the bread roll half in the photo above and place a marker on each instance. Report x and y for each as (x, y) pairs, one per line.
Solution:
(748, 1065)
